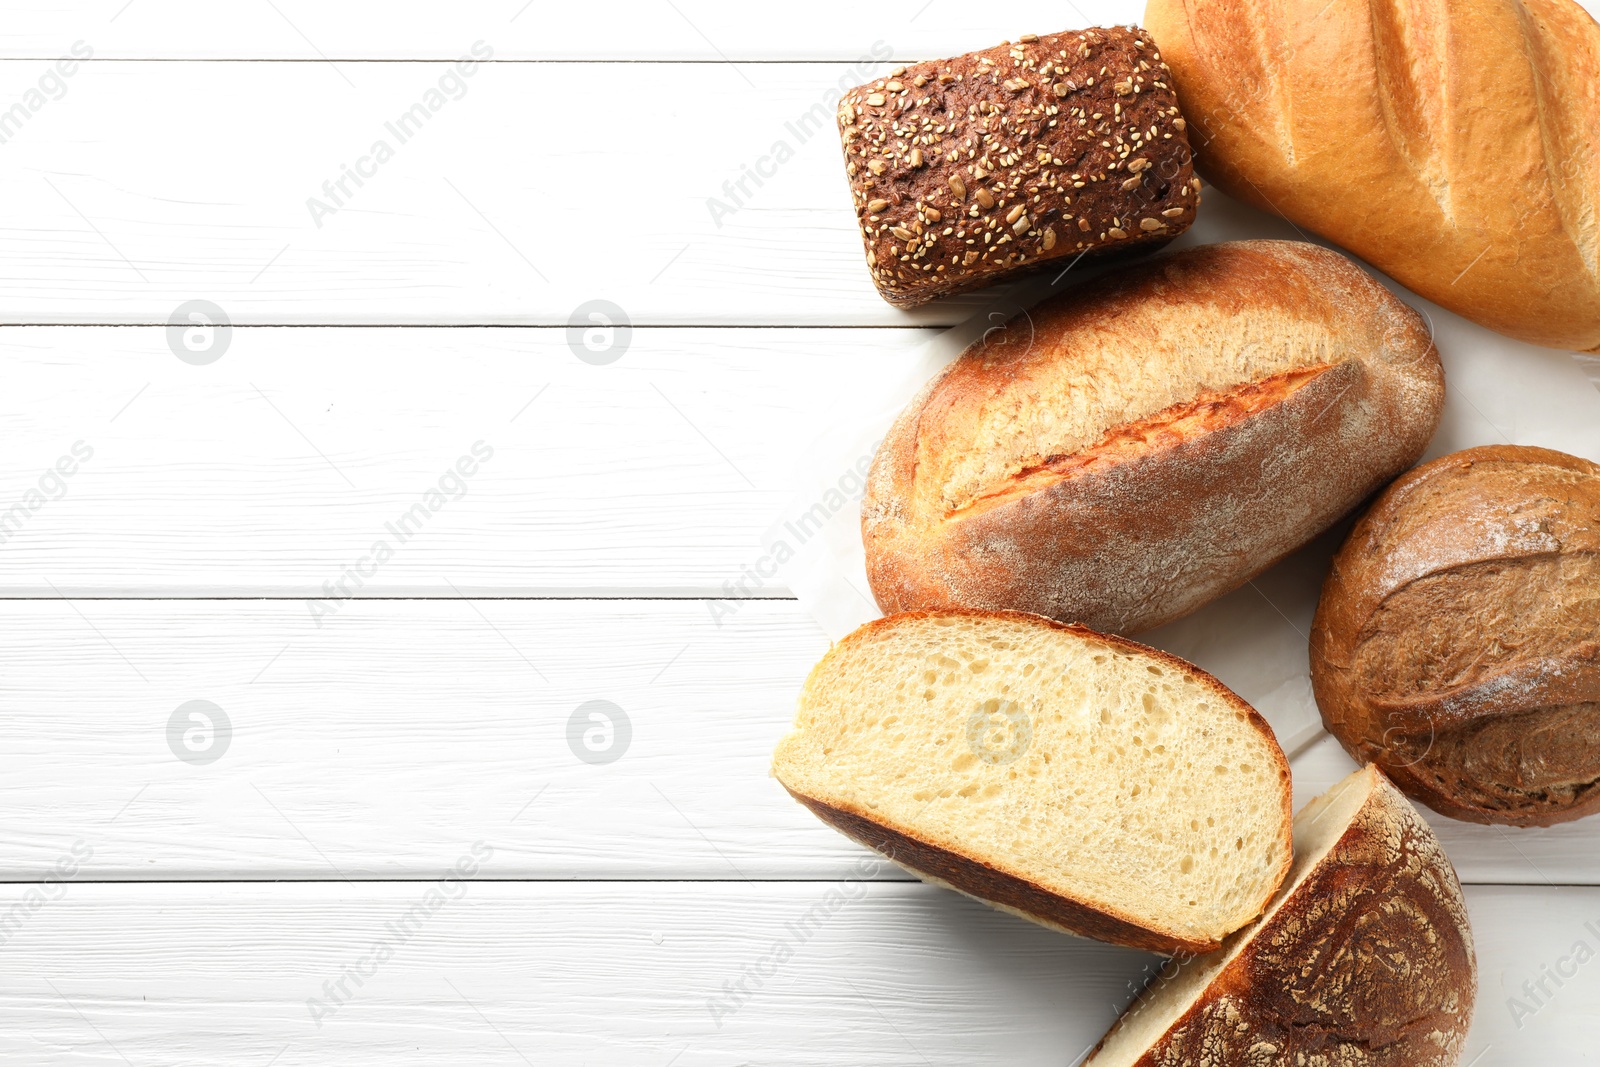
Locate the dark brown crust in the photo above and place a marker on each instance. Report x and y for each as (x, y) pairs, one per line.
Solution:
(976, 878)
(1128, 546)
(1457, 641)
(998, 112)
(1369, 957)
(995, 886)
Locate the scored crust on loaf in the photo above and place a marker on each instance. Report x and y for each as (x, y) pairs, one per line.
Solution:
(1447, 142)
(1085, 782)
(1457, 641)
(1364, 959)
(1210, 410)
(970, 170)
(1167, 432)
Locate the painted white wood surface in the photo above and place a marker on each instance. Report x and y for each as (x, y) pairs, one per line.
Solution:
(275, 469)
(383, 743)
(368, 747)
(622, 974)
(690, 30)
(373, 745)
(529, 190)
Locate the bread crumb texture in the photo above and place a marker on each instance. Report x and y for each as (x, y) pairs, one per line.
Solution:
(1093, 768)
(968, 170)
(1457, 643)
(1365, 959)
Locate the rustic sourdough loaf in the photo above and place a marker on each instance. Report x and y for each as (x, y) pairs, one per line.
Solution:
(1084, 782)
(966, 171)
(1448, 142)
(1365, 958)
(1169, 431)
(1457, 643)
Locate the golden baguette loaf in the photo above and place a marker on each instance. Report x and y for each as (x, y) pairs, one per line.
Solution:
(1457, 642)
(1085, 782)
(1365, 959)
(1450, 144)
(1169, 431)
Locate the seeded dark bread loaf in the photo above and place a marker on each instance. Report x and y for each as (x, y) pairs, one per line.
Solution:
(1365, 959)
(1152, 439)
(1084, 782)
(1457, 643)
(966, 171)
(1449, 143)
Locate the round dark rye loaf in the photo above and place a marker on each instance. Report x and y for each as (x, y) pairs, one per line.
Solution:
(970, 170)
(1152, 439)
(1365, 959)
(1457, 644)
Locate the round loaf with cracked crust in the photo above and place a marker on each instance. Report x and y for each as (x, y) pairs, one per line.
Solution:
(1152, 439)
(1364, 959)
(1457, 642)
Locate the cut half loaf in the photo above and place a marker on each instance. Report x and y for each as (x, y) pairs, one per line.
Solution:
(1082, 781)
(1365, 958)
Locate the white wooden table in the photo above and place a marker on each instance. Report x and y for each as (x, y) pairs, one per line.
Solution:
(391, 849)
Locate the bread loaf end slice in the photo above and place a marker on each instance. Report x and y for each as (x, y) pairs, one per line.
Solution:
(1365, 958)
(1086, 782)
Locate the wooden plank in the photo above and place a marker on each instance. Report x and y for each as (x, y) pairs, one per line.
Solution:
(369, 746)
(276, 469)
(488, 204)
(699, 30)
(373, 745)
(639, 974)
